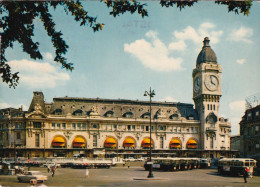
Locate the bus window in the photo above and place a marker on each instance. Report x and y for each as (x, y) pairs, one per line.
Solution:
(246, 163)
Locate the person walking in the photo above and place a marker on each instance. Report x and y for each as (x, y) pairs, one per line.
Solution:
(245, 175)
(53, 171)
(48, 168)
(87, 172)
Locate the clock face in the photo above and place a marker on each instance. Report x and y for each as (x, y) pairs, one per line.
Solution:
(197, 84)
(211, 82)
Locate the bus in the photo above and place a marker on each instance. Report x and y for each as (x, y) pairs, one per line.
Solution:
(236, 166)
(172, 164)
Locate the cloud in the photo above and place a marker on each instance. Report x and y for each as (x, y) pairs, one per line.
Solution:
(8, 105)
(157, 55)
(237, 109)
(168, 99)
(38, 75)
(237, 106)
(243, 34)
(197, 36)
(153, 54)
(241, 61)
(48, 56)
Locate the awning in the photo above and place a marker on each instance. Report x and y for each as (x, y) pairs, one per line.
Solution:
(192, 144)
(79, 142)
(110, 142)
(129, 142)
(146, 143)
(58, 141)
(175, 143)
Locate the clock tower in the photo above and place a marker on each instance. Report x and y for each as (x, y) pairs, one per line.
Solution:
(206, 95)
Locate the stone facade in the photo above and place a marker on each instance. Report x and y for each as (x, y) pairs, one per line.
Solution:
(115, 127)
(250, 132)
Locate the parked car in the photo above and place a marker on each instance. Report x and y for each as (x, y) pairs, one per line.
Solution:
(51, 164)
(27, 176)
(130, 159)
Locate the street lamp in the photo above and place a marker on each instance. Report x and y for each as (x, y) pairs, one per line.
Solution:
(150, 94)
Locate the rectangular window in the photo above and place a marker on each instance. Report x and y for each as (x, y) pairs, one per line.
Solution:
(115, 127)
(161, 142)
(152, 128)
(257, 113)
(94, 140)
(37, 140)
(18, 136)
(64, 125)
(37, 125)
(84, 126)
(196, 129)
(129, 127)
(211, 143)
(192, 129)
(188, 130)
(79, 126)
(73, 125)
(142, 127)
(133, 127)
(146, 128)
(16, 125)
(53, 125)
(58, 125)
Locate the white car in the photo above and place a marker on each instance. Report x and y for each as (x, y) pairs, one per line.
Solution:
(28, 175)
(51, 164)
(129, 159)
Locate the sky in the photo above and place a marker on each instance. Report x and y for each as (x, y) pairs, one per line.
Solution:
(132, 54)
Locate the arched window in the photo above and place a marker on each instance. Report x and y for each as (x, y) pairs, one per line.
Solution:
(59, 142)
(192, 144)
(78, 112)
(145, 115)
(58, 111)
(109, 113)
(128, 115)
(174, 116)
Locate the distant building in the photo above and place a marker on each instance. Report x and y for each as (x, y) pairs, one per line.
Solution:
(235, 143)
(113, 127)
(250, 132)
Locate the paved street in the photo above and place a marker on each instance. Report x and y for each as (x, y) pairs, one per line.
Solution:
(135, 176)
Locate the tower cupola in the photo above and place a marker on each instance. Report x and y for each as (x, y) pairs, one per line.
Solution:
(206, 55)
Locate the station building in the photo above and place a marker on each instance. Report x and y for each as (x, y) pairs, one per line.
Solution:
(70, 126)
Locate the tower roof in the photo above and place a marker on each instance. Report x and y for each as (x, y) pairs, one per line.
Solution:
(206, 55)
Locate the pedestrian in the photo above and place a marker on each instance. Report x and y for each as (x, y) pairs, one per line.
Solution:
(48, 168)
(53, 171)
(245, 175)
(87, 172)
(128, 165)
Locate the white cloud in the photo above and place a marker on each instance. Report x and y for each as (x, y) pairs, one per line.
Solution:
(237, 109)
(241, 61)
(157, 55)
(177, 46)
(243, 34)
(8, 105)
(237, 106)
(48, 56)
(153, 54)
(168, 99)
(38, 75)
(197, 36)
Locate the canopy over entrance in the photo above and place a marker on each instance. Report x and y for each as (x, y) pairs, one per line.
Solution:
(192, 144)
(175, 143)
(110, 143)
(79, 142)
(58, 141)
(146, 143)
(129, 142)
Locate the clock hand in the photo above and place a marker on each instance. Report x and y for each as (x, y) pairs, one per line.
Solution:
(211, 80)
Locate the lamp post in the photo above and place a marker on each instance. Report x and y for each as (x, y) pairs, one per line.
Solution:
(151, 93)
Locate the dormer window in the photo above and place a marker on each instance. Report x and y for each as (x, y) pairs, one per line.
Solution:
(128, 115)
(78, 112)
(146, 115)
(58, 111)
(174, 117)
(109, 114)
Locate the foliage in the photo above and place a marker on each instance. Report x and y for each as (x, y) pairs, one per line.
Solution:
(16, 25)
